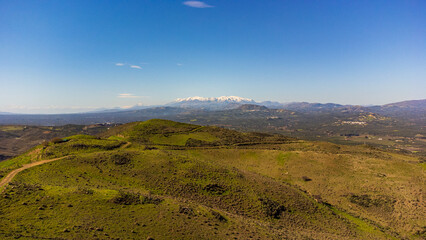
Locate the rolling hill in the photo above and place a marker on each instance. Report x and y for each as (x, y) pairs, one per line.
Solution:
(15, 139)
(397, 126)
(161, 179)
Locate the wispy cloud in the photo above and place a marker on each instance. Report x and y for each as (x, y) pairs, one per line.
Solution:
(127, 95)
(119, 64)
(197, 4)
(136, 66)
(179, 64)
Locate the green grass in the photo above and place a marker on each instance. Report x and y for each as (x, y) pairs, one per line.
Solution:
(80, 136)
(243, 191)
(61, 180)
(362, 225)
(167, 132)
(80, 144)
(181, 139)
(17, 162)
(11, 128)
(283, 157)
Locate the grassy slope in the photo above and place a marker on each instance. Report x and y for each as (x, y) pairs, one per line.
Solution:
(17, 162)
(214, 192)
(16, 140)
(383, 187)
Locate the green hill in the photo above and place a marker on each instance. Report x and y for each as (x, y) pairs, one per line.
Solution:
(169, 180)
(169, 133)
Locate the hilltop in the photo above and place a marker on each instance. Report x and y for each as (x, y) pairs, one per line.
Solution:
(15, 139)
(169, 133)
(170, 180)
(419, 104)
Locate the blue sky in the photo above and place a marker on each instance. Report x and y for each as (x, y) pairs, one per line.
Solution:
(71, 56)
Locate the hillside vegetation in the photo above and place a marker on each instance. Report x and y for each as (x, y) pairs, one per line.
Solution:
(160, 179)
(15, 139)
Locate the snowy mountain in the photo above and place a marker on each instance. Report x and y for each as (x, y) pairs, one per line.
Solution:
(233, 99)
(214, 103)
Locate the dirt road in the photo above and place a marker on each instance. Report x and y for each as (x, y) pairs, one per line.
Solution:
(12, 174)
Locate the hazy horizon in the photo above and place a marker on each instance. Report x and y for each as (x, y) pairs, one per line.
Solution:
(79, 56)
(71, 110)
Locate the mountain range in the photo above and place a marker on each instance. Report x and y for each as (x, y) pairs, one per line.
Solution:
(234, 102)
(219, 103)
(415, 109)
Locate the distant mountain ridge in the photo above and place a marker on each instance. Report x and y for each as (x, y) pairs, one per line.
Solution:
(233, 102)
(410, 104)
(414, 110)
(215, 99)
(309, 107)
(213, 103)
(417, 107)
(405, 109)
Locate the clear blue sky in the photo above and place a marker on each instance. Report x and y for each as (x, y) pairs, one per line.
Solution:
(66, 56)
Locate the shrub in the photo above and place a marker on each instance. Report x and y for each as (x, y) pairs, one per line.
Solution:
(85, 191)
(272, 208)
(120, 158)
(362, 200)
(146, 147)
(57, 140)
(306, 179)
(218, 216)
(215, 189)
(24, 188)
(45, 144)
(191, 142)
(127, 198)
(186, 210)
(124, 198)
(150, 199)
(367, 201)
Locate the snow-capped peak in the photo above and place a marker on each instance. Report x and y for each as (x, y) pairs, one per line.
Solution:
(218, 99)
(196, 98)
(233, 99)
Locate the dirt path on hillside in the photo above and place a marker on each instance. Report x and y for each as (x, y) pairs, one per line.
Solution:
(125, 145)
(12, 174)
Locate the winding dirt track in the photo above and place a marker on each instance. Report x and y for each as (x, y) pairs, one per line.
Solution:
(12, 174)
